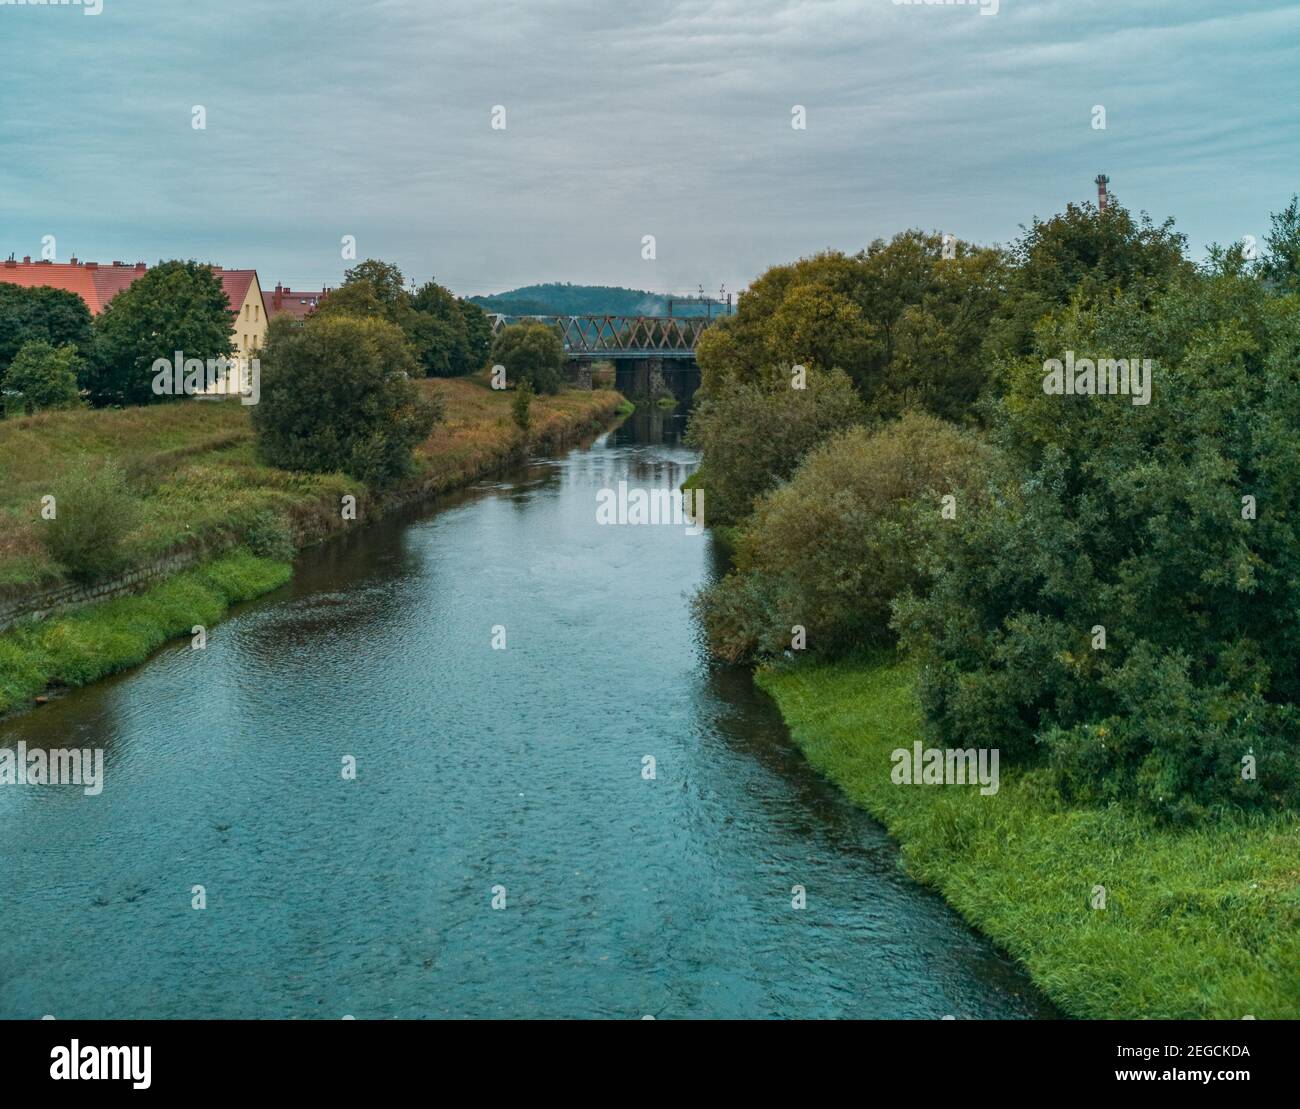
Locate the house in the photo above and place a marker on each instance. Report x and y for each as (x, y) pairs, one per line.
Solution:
(296, 304)
(97, 285)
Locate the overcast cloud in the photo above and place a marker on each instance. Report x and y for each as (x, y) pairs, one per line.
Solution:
(327, 118)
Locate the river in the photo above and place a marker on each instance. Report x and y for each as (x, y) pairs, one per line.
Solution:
(482, 774)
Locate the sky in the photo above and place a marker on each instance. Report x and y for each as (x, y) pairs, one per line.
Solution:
(374, 119)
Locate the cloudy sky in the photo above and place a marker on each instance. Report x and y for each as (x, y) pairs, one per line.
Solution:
(372, 118)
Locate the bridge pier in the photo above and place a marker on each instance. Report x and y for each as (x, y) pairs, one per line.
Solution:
(579, 373)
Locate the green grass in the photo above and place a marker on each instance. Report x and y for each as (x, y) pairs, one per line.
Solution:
(201, 485)
(1197, 924)
(105, 638)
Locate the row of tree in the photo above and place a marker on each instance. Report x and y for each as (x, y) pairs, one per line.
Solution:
(1107, 592)
(52, 352)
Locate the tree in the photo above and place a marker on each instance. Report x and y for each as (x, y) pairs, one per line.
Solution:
(53, 315)
(478, 335)
(438, 332)
(531, 352)
(42, 376)
(336, 395)
(755, 434)
(830, 549)
(1126, 601)
(1280, 266)
(176, 306)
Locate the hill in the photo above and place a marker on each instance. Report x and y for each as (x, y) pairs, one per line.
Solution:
(565, 299)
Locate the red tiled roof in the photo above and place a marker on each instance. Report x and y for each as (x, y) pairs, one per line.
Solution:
(236, 283)
(97, 284)
(295, 302)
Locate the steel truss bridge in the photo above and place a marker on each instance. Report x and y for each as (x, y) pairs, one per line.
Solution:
(619, 338)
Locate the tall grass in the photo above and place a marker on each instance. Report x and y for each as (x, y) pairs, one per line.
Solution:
(1202, 923)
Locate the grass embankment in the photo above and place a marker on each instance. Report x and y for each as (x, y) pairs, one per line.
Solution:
(202, 489)
(102, 639)
(1197, 924)
(201, 486)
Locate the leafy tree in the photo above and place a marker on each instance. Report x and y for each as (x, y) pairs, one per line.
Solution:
(336, 395)
(42, 376)
(531, 352)
(478, 335)
(1084, 253)
(55, 316)
(384, 279)
(755, 434)
(1132, 523)
(830, 549)
(438, 332)
(1280, 266)
(358, 300)
(176, 306)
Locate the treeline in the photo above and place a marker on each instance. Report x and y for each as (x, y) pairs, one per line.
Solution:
(1106, 590)
(54, 355)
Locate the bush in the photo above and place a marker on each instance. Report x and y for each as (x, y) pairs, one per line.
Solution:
(95, 509)
(42, 376)
(336, 395)
(754, 435)
(520, 406)
(531, 352)
(830, 549)
(1130, 518)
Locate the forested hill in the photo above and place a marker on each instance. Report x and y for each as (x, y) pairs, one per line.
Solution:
(580, 300)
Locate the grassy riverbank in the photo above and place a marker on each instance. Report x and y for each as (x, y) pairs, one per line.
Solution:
(1197, 924)
(102, 639)
(201, 487)
(201, 490)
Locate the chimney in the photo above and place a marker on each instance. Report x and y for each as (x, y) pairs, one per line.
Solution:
(140, 266)
(92, 265)
(73, 260)
(116, 262)
(278, 297)
(27, 259)
(1102, 198)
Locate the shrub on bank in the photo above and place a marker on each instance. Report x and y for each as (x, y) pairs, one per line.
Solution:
(1129, 603)
(336, 395)
(755, 434)
(94, 510)
(829, 550)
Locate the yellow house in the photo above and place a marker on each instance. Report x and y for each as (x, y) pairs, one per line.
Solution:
(248, 331)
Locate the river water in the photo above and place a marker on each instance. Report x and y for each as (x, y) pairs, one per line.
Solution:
(482, 774)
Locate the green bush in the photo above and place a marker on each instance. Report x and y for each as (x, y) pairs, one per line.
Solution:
(336, 395)
(531, 352)
(94, 510)
(1130, 518)
(754, 435)
(42, 376)
(521, 405)
(830, 549)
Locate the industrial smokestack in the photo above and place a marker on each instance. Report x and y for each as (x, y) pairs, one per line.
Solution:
(1102, 198)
